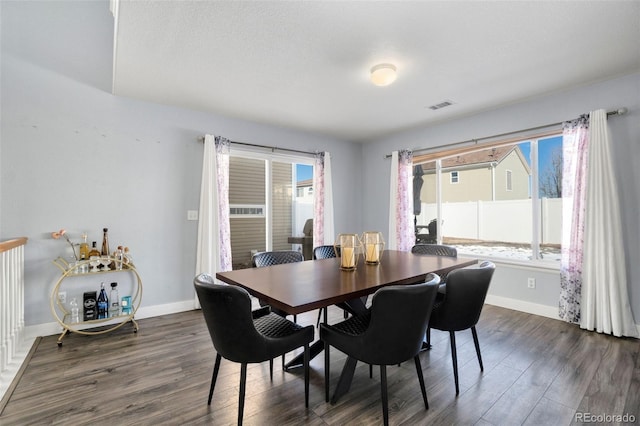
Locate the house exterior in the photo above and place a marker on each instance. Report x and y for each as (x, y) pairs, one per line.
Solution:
(493, 174)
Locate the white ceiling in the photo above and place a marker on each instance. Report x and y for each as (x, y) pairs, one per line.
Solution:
(305, 64)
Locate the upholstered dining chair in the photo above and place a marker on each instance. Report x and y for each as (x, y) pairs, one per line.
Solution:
(328, 252)
(385, 335)
(270, 258)
(461, 308)
(242, 336)
(435, 250)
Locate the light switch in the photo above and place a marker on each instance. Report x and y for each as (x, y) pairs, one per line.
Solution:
(192, 214)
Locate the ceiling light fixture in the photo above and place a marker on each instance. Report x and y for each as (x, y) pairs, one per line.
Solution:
(383, 74)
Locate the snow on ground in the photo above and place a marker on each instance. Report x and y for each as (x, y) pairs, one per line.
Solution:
(517, 253)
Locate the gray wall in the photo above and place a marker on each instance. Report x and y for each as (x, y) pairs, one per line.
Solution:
(74, 156)
(511, 282)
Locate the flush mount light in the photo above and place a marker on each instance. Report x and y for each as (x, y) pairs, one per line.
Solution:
(383, 74)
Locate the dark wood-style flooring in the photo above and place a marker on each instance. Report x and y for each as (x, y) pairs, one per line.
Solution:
(537, 371)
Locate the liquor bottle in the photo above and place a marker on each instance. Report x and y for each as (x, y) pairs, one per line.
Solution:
(114, 306)
(84, 248)
(94, 250)
(105, 248)
(75, 310)
(103, 303)
(105, 242)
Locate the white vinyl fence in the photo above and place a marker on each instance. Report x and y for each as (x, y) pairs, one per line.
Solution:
(507, 221)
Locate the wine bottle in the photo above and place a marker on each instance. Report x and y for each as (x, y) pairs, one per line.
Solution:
(103, 303)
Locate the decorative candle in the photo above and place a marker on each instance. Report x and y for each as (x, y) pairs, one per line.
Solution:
(348, 260)
(372, 253)
(373, 247)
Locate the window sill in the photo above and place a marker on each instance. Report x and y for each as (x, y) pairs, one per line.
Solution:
(538, 265)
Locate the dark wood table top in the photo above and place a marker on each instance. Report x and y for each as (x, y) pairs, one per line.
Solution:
(313, 284)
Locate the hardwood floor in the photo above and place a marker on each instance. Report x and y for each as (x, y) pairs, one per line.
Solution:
(537, 371)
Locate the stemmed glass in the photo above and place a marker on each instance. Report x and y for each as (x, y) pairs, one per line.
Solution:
(105, 260)
(94, 261)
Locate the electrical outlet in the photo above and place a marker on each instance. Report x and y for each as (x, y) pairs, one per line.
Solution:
(531, 282)
(62, 297)
(192, 214)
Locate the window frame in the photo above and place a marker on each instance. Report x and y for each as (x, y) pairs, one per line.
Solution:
(536, 260)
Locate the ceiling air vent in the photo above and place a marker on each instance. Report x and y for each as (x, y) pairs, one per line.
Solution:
(440, 105)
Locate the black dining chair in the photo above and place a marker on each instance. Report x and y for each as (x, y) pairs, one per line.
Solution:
(461, 308)
(270, 258)
(385, 335)
(435, 250)
(240, 335)
(349, 307)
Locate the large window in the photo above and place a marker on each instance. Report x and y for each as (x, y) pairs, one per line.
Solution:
(505, 201)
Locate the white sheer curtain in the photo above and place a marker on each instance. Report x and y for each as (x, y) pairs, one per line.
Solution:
(593, 281)
(401, 234)
(323, 228)
(605, 303)
(213, 252)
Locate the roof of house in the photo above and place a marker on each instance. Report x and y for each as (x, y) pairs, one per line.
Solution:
(478, 158)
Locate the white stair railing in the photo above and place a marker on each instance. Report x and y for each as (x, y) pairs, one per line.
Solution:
(11, 304)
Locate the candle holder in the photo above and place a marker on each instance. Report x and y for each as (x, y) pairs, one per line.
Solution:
(349, 246)
(373, 247)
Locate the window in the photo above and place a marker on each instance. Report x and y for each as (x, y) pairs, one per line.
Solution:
(506, 202)
(263, 206)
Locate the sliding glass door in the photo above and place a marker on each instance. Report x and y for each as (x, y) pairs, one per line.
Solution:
(269, 203)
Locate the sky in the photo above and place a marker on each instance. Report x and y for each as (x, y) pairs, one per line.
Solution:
(546, 147)
(304, 172)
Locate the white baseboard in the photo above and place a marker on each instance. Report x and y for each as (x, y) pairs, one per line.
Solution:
(51, 328)
(522, 306)
(528, 307)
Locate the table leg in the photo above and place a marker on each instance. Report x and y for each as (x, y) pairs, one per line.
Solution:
(298, 361)
(344, 383)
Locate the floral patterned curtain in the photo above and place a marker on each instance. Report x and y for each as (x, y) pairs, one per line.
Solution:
(401, 235)
(593, 282)
(322, 200)
(575, 137)
(213, 252)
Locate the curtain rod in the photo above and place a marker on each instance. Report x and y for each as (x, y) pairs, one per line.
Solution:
(619, 111)
(272, 148)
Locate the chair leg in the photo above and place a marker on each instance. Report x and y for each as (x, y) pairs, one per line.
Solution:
(421, 380)
(370, 371)
(216, 368)
(383, 390)
(243, 386)
(454, 359)
(326, 372)
(428, 338)
(271, 369)
(475, 342)
(306, 375)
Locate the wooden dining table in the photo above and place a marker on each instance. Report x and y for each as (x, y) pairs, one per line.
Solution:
(314, 284)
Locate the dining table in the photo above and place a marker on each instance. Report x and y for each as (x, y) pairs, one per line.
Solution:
(315, 284)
